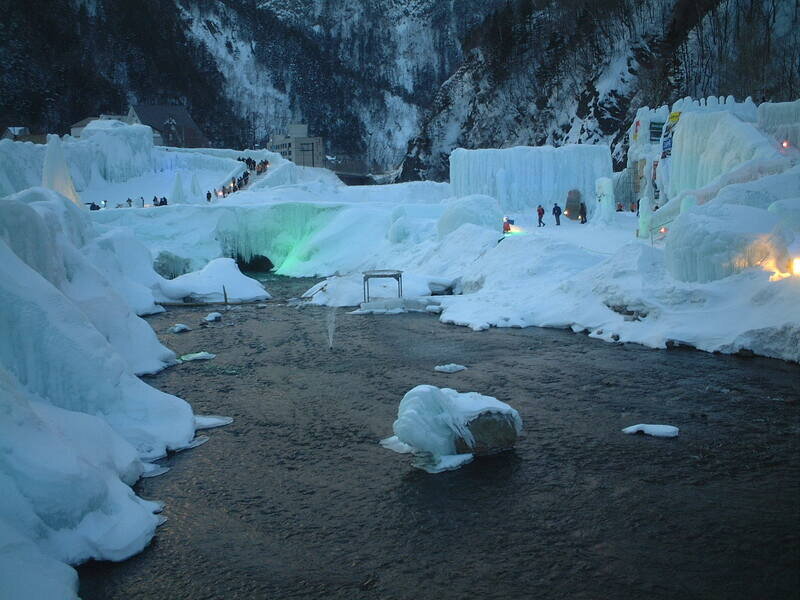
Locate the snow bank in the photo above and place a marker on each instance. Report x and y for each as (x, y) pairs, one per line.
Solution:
(521, 178)
(431, 419)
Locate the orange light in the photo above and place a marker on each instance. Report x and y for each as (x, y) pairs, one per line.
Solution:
(515, 229)
(785, 144)
(777, 273)
(566, 212)
(663, 230)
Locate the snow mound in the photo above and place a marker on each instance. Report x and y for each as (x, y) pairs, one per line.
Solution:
(449, 368)
(211, 317)
(654, 430)
(483, 211)
(430, 420)
(207, 284)
(179, 328)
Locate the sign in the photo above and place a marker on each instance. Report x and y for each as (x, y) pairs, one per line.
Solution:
(669, 131)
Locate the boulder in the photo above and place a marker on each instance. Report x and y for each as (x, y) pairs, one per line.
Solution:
(492, 433)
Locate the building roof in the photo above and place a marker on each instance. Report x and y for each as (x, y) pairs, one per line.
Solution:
(83, 122)
(157, 115)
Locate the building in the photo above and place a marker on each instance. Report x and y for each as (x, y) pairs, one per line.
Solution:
(171, 124)
(298, 147)
(76, 129)
(14, 133)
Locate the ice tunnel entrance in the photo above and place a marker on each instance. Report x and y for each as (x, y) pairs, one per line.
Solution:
(573, 204)
(257, 263)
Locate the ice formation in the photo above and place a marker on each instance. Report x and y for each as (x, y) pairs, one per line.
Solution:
(654, 430)
(523, 177)
(431, 419)
(56, 175)
(72, 442)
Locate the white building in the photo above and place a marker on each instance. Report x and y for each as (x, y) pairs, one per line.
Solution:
(297, 146)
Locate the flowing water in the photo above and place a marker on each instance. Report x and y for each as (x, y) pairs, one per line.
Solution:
(296, 499)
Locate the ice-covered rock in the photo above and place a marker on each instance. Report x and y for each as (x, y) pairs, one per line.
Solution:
(212, 317)
(179, 328)
(438, 423)
(206, 285)
(654, 430)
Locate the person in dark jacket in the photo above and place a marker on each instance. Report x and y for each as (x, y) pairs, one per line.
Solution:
(582, 213)
(557, 213)
(540, 214)
(208, 196)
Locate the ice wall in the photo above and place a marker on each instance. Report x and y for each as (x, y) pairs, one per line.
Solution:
(781, 120)
(707, 146)
(714, 241)
(521, 178)
(104, 155)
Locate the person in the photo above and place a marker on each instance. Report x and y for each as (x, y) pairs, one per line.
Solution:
(582, 213)
(540, 214)
(163, 201)
(155, 201)
(557, 213)
(94, 206)
(506, 225)
(208, 196)
(130, 202)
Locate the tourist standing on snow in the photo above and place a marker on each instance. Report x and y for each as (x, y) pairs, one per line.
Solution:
(540, 214)
(582, 213)
(557, 213)
(208, 196)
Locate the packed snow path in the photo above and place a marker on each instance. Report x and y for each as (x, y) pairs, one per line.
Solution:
(296, 499)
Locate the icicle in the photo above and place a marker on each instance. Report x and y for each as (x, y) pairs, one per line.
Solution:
(55, 174)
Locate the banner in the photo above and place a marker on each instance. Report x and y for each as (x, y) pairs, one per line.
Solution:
(669, 131)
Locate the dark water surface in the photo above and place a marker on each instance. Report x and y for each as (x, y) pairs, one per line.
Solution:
(296, 499)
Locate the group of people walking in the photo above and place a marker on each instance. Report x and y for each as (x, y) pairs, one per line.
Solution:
(259, 167)
(557, 212)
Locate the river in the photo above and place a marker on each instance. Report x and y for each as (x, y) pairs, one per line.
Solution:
(296, 499)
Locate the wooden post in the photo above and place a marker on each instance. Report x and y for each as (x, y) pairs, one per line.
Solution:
(225, 294)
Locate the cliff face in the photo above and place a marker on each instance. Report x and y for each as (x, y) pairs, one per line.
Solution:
(393, 82)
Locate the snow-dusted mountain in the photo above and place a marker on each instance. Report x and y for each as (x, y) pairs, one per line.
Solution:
(393, 82)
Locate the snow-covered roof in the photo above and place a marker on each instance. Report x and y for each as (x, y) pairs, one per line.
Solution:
(83, 122)
(157, 115)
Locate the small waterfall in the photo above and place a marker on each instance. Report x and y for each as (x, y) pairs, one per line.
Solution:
(330, 325)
